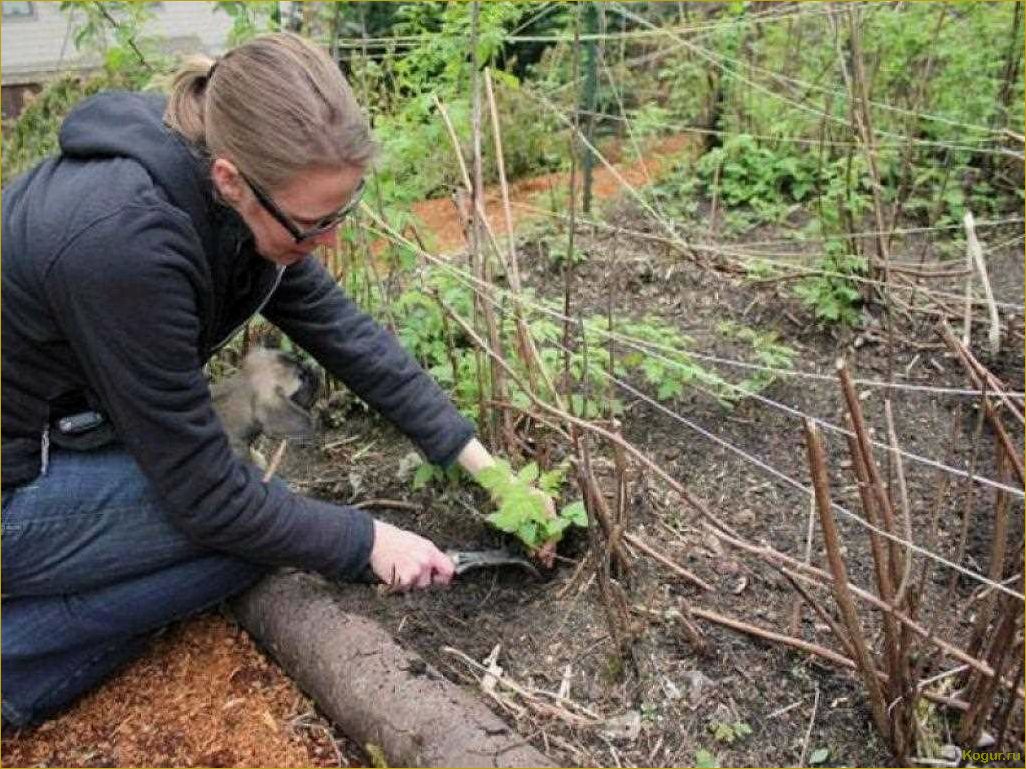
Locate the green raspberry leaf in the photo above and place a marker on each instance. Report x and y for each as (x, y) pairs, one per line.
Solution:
(576, 514)
(505, 520)
(528, 473)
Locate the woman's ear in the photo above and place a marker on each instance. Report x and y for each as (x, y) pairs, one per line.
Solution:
(227, 181)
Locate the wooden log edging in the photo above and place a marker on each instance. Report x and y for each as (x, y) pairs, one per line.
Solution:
(376, 691)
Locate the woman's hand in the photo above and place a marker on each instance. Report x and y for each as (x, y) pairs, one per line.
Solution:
(404, 560)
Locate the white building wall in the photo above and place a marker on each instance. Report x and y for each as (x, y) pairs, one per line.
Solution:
(36, 47)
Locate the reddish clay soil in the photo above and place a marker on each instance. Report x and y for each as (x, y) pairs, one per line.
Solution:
(443, 222)
(205, 695)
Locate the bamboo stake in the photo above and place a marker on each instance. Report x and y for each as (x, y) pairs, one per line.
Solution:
(572, 200)
(976, 256)
(487, 226)
(817, 463)
(500, 423)
(525, 338)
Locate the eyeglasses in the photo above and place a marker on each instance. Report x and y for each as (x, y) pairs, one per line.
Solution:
(321, 226)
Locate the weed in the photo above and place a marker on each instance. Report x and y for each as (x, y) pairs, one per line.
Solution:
(705, 760)
(729, 733)
(769, 351)
(832, 296)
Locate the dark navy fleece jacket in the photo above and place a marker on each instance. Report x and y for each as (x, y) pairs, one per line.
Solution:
(121, 276)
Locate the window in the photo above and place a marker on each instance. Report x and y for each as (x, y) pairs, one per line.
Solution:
(14, 11)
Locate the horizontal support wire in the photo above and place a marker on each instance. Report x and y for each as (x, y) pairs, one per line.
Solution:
(801, 238)
(718, 61)
(678, 239)
(484, 293)
(781, 259)
(478, 286)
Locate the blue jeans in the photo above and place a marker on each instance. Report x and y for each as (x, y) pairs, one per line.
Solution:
(91, 567)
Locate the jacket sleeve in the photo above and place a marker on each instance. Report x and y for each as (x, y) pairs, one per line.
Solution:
(132, 316)
(316, 314)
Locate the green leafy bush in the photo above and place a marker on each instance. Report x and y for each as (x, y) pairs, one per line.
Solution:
(833, 296)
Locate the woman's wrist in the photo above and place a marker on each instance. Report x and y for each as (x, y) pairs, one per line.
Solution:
(475, 457)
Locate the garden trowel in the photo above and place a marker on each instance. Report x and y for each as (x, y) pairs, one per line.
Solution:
(465, 560)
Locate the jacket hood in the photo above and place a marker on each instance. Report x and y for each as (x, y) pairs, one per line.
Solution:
(131, 125)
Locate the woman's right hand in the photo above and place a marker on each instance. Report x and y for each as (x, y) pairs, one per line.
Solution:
(405, 560)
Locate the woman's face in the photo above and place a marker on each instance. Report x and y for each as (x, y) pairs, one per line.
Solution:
(308, 200)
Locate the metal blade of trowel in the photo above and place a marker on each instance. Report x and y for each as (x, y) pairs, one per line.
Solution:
(465, 560)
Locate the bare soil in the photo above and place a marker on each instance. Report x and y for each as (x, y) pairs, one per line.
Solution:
(548, 635)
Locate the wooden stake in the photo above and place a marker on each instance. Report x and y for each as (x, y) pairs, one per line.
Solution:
(525, 338)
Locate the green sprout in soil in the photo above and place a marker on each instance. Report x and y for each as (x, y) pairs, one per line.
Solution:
(521, 503)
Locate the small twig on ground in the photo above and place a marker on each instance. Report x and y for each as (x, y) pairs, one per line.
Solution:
(786, 709)
(808, 731)
(584, 717)
(676, 568)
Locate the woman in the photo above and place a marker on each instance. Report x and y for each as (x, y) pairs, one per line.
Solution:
(128, 260)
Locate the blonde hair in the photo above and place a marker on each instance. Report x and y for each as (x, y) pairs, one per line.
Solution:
(274, 106)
